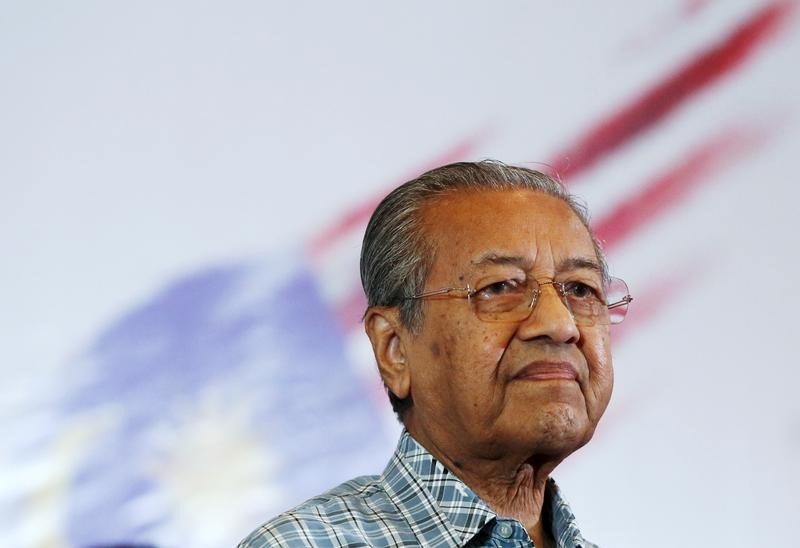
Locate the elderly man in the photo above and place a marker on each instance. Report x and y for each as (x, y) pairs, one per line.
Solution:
(489, 305)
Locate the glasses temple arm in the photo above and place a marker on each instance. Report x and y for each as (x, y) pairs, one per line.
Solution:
(625, 300)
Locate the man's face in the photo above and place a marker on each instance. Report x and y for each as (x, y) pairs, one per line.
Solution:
(499, 388)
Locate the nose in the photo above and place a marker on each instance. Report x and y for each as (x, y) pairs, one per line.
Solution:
(550, 318)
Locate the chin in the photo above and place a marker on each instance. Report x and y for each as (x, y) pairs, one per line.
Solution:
(562, 431)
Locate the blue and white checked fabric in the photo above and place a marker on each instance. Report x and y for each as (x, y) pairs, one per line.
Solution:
(416, 502)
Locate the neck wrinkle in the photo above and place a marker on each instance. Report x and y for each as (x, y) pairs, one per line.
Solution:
(512, 488)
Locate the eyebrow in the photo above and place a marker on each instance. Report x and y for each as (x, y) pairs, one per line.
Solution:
(493, 257)
(579, 263)
(568, 264)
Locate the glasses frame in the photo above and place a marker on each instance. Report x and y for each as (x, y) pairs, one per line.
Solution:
(469, 292)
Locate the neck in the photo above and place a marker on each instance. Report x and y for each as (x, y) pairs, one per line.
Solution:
(511, 487)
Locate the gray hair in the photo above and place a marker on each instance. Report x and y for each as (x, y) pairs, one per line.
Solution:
(396, 255)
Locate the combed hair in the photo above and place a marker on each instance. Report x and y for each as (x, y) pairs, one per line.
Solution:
(396, 255)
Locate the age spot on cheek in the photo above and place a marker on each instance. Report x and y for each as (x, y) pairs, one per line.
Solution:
(435, 350)
(448, 348)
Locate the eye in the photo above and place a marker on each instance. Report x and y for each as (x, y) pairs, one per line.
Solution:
(581, 290)
(502, 288)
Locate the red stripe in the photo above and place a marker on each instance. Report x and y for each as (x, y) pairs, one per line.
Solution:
(665, 191)
(659, 101)
(359, 216)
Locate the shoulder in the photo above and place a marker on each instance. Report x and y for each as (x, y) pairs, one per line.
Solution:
(356, 513)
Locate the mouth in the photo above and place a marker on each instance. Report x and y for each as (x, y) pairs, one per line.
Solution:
(547, 371)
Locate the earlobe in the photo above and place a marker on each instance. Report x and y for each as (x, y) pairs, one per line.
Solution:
(386, 335)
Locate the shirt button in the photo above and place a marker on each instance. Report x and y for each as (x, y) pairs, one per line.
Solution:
(505, 530)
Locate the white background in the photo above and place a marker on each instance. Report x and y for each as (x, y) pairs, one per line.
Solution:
(142, 141)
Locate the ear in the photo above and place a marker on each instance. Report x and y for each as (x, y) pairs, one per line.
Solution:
(387, 334)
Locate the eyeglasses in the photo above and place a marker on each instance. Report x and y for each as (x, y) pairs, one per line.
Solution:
(514, 300)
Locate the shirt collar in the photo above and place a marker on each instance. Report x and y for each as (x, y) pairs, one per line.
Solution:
(439, 506)
(562, 521)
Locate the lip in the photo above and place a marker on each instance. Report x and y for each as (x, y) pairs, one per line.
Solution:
(547, 371)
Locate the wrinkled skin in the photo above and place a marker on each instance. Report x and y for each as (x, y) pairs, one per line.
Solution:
(500, 403)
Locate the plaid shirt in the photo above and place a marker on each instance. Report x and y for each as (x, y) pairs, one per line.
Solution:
(416, 502)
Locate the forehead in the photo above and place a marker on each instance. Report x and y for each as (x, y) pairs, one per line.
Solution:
(538, 228)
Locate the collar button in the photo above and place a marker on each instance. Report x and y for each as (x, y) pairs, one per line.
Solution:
(505, 530)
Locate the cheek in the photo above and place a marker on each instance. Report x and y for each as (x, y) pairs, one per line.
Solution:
(477, 352)
(490, 346)
(473, 360)
(596, 348)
